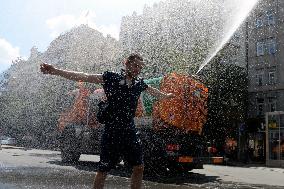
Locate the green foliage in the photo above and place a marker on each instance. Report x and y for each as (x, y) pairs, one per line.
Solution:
(32, 102)
(227, 103)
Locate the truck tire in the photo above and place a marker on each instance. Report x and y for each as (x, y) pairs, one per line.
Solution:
(154, 158)
(198, 165)
(69, 146)
(69, 157)
(155, 166)
(176, 170)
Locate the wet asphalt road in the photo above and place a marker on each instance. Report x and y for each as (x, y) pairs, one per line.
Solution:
(42, 169)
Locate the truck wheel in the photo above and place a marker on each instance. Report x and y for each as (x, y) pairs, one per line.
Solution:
(69, 146)
(154, 157)
(155, 168)
(69, 157)
(198, 165)
(156, 164)
(176, 168)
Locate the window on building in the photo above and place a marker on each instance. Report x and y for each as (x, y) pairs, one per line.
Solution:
(260, 109)
(259, 48)
(271, 78)
(258, 22)
(270, 16)
(267, 46)
(261, 62)
(271, 46)
(272, 104)
(260, 106)
(273, 144)
(259, 79)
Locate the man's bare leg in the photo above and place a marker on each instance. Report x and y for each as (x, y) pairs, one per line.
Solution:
(99, 181)
(137, 176)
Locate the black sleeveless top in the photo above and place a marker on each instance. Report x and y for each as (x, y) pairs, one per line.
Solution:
(122, 98)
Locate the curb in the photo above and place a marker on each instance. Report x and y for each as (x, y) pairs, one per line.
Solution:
(4, 146)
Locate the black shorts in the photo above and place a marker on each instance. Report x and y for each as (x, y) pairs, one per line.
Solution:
(117, 145)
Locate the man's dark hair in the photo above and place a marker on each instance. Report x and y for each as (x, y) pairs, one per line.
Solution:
(133, 57)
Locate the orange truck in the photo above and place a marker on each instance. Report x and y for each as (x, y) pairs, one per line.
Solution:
(170, 129)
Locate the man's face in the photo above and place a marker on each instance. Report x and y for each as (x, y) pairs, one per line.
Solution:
(133, 69)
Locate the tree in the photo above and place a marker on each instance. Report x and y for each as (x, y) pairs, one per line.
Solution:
(227, 100)
(32, 102)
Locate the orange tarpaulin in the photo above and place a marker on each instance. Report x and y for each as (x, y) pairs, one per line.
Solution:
(77, 113)
(188, 109)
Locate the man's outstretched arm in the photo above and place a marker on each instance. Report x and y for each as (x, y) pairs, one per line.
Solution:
(158, 94)
(71, 75)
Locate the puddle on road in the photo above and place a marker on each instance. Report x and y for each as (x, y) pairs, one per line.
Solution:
(47, 178)
(50, 178)
(42, 178)
(52, 155)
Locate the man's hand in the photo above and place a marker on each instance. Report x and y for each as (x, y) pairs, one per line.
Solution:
(169, 95)
(47, 69)
(159, 94)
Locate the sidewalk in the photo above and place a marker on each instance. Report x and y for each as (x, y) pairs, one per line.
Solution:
(242, 164)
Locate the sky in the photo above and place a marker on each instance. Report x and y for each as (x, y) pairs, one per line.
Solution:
(28, 23)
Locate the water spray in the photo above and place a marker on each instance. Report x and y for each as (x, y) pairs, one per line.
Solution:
(244, 13)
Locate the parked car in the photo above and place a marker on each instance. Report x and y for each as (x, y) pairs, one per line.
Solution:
(7, 140)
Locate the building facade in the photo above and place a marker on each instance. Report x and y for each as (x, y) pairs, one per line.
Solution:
(265, 56)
